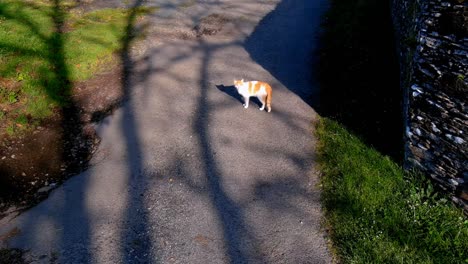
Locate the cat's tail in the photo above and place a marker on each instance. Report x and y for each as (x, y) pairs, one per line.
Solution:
(268, 99)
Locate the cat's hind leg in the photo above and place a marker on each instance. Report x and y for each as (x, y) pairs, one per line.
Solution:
(262, 100)
(246, 101)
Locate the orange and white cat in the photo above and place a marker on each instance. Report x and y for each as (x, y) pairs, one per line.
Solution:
(261, 90)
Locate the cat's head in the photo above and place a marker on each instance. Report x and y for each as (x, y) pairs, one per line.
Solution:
(238, 83)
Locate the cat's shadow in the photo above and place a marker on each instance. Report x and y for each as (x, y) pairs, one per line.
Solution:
(232, 91)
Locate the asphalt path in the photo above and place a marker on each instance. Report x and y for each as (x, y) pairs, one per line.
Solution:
(185, 174)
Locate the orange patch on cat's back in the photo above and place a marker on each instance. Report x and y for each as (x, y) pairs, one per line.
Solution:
(259, 85)
(255, 86)
(250, 87)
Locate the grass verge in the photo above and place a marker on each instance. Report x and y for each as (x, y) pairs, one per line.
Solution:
(34, 36)
(377, 213)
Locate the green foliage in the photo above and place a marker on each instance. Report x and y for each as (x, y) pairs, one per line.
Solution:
(8, 96)
(21, 119)
(10, 130)
(20, 76)
(96, 36)
(377, 213)
(12, 97)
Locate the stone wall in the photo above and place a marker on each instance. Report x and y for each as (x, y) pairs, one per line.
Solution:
(432, 43)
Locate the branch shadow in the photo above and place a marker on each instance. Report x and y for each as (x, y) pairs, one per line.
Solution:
(136, 237)
(235, 230)
(77, 144)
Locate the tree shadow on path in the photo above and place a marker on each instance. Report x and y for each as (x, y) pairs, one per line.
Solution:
(239, 242)
(135, 236)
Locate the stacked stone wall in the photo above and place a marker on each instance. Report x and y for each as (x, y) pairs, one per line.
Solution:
(433, 47)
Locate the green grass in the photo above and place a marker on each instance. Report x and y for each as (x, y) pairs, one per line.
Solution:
(45, 47)
(377, 213)
(96, 35)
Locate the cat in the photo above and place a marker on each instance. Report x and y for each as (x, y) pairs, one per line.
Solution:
(261, 90)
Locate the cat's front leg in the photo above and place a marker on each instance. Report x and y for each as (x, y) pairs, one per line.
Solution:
(246, 101)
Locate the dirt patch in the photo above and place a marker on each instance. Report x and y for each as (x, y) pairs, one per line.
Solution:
(99, 96)
(9, 91)
(210, 25)
(9, 84)
(40, 160)
(90, 5)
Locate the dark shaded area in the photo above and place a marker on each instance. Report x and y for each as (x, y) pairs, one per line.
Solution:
(12, 256)
(280, 41)
(454, 85)
(358, 73)
(455, 22)
(77, 144)
(136, 235)
(230, 214)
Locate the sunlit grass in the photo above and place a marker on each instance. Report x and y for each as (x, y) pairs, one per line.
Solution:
(94, 37)
(377, 213)
(32, 43)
